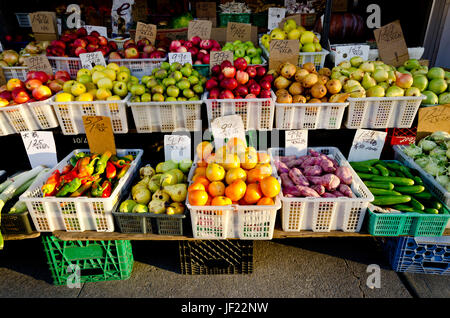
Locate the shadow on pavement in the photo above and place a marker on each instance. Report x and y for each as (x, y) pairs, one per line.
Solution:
(162, 254)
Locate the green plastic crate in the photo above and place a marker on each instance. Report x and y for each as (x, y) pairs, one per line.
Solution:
(202, 69)
(260, 19)
(224, 18)
(97, 261)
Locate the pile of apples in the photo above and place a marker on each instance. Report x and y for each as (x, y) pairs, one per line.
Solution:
(233, 174)
(198, 48)
(238, 80)
(143, 49)
(295, 84)
(101, 83)
(38, 86)
(247, 50)
(72, 43)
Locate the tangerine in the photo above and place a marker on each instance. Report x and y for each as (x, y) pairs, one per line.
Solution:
(215, 172)
(196, 186)
(216, 188)
(270, 187)
(253, 193)
(236, 190)
(221, 200)
(265, 201)
(198, 197)
(201, 179)
(235, 174)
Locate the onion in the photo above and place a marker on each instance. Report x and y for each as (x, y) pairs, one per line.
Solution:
(11, 57)
(32, 48)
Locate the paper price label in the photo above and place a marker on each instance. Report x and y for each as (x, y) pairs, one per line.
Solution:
(43, 22)
(200, 28)
(346, 52)
(145, 31)
(89, 60)
(99, 134)
(181, 58)
(217, 57)
(239, 31)
(367, 144)
(432, 119)
(283, 51)
(103, 31)
(2, 77)
(227, 127)
(177, 147)
(40, 147)
(296, 142)
(38, 63)
(391, 44)
(275, 16)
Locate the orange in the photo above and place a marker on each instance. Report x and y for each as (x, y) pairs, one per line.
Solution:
(204, 149)
(209, 200)
(231, 161)
(220, 154)
(254, 175)
(266, 201)
(201, 179)
(216, 189)
(200, 171)
(215, 172)
(221, 200)
(270, 187)
(263, 157)
(236, 190)
(198, 197)
(253, 193)
(235, 174)
(266, 168)
(249, 158)
(236, 145)
(196, 186)
(242, 201)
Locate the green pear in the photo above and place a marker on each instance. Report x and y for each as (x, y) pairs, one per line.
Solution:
(140, 208)
(127, 206)
(395, 91)
(177, 192)
(375, 91)
(380, 75)
(358, 93)
(161, 195)
(412, 91)
(185, 165)
(357, 75)
(345, 64)
(385, 85)
(368, 81)
(168, 178)
(137, 187)
(356, 61)
(367, 67)
(178, 173)
(142, 196)
(349, 84)
(165, 166)
(157, 206)
(155, 183)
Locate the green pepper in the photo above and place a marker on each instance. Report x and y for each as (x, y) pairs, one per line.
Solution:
(97, 190)
(70, 187)
(74, 159)
(120, 162)
(101, 164)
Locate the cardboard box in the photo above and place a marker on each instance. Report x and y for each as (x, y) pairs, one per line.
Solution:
(171, 34)
(339, 6)
(45, 36)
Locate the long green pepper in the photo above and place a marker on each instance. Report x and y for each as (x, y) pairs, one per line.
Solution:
(101, 164)
(70, 187)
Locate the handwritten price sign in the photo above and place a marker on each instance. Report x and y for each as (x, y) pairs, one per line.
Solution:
(391, 44)
(239, 31)
(40, 148)
(177, 147)
(283, 51)
(346, 52)
(43, 22)
(89, 60)
(38, 63)
(296, 142)
(99, 133)
(433, 118)
(146, 31)
(227, 127)
(181, 58)
(100, 29)
(217, 57)
(200, 28)
(367, 144)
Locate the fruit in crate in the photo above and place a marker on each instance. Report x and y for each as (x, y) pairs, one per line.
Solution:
(200, 49)
(161, 190)
(101, 83)
(170, 83)
(141, 49)
(12, 58)
(232, 174)
(246, 50)
(238, 80)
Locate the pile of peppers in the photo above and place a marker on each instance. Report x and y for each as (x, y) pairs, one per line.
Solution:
(92, 175)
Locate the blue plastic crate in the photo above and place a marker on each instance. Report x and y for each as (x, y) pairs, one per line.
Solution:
(423, 255)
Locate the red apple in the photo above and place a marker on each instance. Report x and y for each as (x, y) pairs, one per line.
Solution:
(57, 51)
(240, 64)
(225, 63)
(131, 53)
(58, 43)
(56, 85)
(80, 50)
(127, 43)
(142, 43)
(254, 89)
(226, 94)
(15, 83)
(188, 44)
(251, 82)
(157, 54)
(210, 84)
(92, 40)
(20, 96)
(32, 84)
(251, 70)
(229, 83)
(181, 49)
(6, 95)
(62, 75)
(81, 32)
(65, 38)
(91, 47)
(194, 51)
(103, 41)
(196, 40)
(148, 48)
(265, 93)
(104, 50)
(94, 33)
(251, 96)
(42, 92)
(242, 77)
(198, 62)
(114, 56)
(174, 45)
(215, 70)
(220, 77)
(265, 85)
(260, 71)
(214, 93)
(205, 44)
(229, 71)
(206, 59)
(215, 44)
(241, 90)
(80, 43)
(268, 77)
(112, 46)
(201, 54)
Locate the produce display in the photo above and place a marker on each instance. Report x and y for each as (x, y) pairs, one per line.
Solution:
(161, 191)
(434, 83)
(234, 7)
(313, 175)
(295, 84)
(199, 49)
(247, 50)
(239, 80)
(143, 49)
(93, 176)
(432, 153)
(38, 86)
(396, 188)
(10, 58)
(233, 174)
(170, 83)
(112, 82)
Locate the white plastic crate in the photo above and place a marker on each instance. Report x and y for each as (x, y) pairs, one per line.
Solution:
(5, 127)
(309, 115)
(326, 214)
(77, 214)
(431, 183)
(120, 42)
(70, 64)
(245, 222)
(318, 58)
(70, 114)
(139, 67)
(256, 113)
(413, 52)
(20, 118)
(382, 112)
(44, 114)
(19, 72)
(167, 116)
(23, 19)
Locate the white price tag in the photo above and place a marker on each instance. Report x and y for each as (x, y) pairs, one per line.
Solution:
(100, 29)
(177, 147)
(227, 127)
(89, 60)
(346, 52)
(367, 144)
(296, 142)
(40, 147)
(275, 16)
(181, 58)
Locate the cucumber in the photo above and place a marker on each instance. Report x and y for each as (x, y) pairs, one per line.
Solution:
(400, 174)
(376, 191)
(375, 171)
(435, 205)
(391, 200)
(393, 165)
(392, 174)
(410, 189)
(369, 162)
(395, 180)
(431, 211)
(417, 205)
(418, 180)
(424, 195)
(379, 185)
(383, 171)
(364, 169)
(403, 208)
(365, 176)
(406, 172)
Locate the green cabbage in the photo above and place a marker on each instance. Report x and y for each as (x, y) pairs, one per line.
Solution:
(427, 145)
(412, 151)
(434, 168)
(439, 136)
(182, 21)
(422, 161)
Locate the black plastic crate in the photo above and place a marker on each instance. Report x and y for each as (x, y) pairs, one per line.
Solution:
(212, 257)
(16, 223)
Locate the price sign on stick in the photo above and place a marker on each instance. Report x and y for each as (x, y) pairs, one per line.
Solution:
(145, 31)
(296, 142)
(89, 60)
(40, 148)
(217, 57)
(239, 31)
(38, 63)
(177, 147)
(43, 22)
(391, 44)
(181, 58)
(283, 51)
(200, 28)
(100, 29)
(275, 16)
(367, 144)
(227, 127)
(99, 134)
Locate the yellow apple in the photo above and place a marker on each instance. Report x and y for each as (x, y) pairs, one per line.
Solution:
(110, 73)
(105, 82)
(103, 94)
(289, 25)
(307, 37)
(64, 97)
(85, 97)
(113, 66)
(294, 34)
(97, 75)
(114, 97)
(77, 89)
(98, 68)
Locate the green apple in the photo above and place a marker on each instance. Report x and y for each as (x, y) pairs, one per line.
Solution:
(105, 82)
(194, 98)
(152, 83)
(168, 81)
(183, 84)
(239, 52)
(444, 98)
(158, 89)
(158, 97)
(181, 99)
(145, 79)
(173, 91)
(257, 60)
(186, 71)
(176, 75)
(437, 85)
(123, 76)
(161, 74)
(135, 99)
(83, 71)
(188, 93)
(137, 89)
(176, 66)
(77, 89)
(193, 80)
(84, 79)
(171, 99)
(165, 66)
(124, 69)
(146, 97)
(134, 79)
(420, 81)
(198, 89)
(411, 64)
(436, 73)
(195, 73)
(120, 88)
(248, 59)
(289, 25)
(103, 94)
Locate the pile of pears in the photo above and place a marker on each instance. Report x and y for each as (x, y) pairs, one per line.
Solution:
(161, 190)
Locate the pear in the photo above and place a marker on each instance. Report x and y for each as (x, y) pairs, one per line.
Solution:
(185, 165)
(394, 91)
(357, 75)
(345, 64)
(157, 206)
(358, 94)
(175, 208)
(177, 192)
(368, 81)
(169, 178)
(146, 171)
(367, 67)
(137, 187)
(155, 183)
(142, 196)
(380, 75)
(161, 195)
(165, 166)
(178, 173)
(140, 208)
(127, 206)
(351, 84)
(335, 75)
(339, 98)
(375, 91)
(385, 85)
(356, 61)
